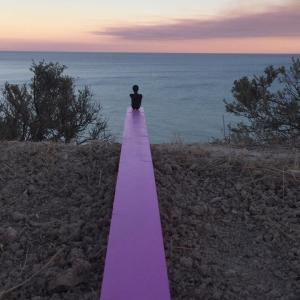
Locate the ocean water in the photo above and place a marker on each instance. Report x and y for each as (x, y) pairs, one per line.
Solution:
(182, 93)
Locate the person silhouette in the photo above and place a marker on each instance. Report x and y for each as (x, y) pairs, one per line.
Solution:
(136, 98)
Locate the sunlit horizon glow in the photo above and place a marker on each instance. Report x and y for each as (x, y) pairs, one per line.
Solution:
(189, 26)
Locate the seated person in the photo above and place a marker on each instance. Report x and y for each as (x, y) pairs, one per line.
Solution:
(136, 99)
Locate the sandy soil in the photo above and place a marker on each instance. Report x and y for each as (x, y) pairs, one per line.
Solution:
(231, 220)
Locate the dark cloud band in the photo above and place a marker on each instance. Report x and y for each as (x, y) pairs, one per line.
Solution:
(279, 22)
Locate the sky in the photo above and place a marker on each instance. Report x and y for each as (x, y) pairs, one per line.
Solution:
(192, 26)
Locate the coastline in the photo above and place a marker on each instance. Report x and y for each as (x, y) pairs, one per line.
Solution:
(229, 217)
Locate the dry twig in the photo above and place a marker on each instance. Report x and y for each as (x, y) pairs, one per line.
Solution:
(10, 290)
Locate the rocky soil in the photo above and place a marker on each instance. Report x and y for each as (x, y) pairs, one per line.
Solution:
(231, 220)
(55, 208)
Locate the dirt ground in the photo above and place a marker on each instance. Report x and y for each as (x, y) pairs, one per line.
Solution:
(231, 220)
(55, 208)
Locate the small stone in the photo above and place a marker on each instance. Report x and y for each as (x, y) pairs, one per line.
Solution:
(81, 265)
(217, 295)
(76, 253)
(168, 169)
(200, 209)
(239, 186)
(186, 262)
(294, 253)
(237, 289)
(194, 167)
(274, 294)
(70, 277)
(36, 268)
(14, 247)
(19, 253)
(11, 234)
(225, 209)
(17, 217)
(215, 200)
(263, 288)
(230, 272)
(208, 227)
(55, 297)
(31, 189)
(204, 270)
(37, 298)
(64, 280)
(268, 237)
(75, 231)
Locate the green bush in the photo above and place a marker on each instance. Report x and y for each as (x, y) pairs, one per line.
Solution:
(269, 104)
(48, 109)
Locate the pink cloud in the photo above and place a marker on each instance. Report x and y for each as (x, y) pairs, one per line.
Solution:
(277, 22)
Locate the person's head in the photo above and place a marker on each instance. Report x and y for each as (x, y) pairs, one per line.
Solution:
(135, 88)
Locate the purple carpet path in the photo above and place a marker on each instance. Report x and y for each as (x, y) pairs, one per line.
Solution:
(135, 265)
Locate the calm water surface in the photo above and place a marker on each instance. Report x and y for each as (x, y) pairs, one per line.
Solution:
(183, 93)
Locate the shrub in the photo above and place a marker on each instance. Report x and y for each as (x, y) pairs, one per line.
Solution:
(270, 105)
(49, 109)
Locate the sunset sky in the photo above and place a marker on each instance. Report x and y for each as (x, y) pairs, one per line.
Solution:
(209, 26)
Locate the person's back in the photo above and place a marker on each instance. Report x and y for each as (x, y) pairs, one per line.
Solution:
(136, 98)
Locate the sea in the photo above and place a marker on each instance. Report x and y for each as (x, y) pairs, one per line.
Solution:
(183, 94)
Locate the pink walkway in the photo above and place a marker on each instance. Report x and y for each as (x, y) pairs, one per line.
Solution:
(135, 266)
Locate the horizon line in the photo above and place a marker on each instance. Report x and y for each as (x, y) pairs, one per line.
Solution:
(150, 52)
